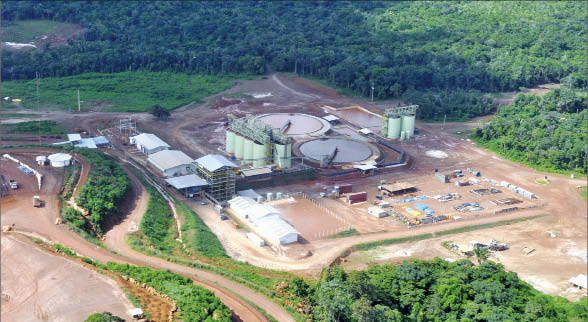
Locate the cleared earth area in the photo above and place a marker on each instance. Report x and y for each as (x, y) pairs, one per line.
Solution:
(37, 286)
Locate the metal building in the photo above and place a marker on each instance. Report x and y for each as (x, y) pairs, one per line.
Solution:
(219, 172)
(171, 162)
(148, 143)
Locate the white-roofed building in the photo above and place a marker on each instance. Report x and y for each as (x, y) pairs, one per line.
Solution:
(266, 219)
(277, 230)
(86, 143)
(188, 185)
(148, 143)
(171, 162)
(579, 281)
(74, 138)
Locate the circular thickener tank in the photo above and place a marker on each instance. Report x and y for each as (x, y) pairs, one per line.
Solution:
(247, 149)
(300, 124)
(347, 150)
(239, 146)
(408, 124)
(394, 127)
(230, 141)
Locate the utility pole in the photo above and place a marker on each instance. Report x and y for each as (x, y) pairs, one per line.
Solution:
(79, 105)
(372, 91)
(444, 119)
(38, 102)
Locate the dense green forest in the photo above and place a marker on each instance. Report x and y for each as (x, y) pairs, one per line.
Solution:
(402, 48)
(432, 291)
(547, 132)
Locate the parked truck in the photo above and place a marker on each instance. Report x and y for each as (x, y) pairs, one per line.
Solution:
(13, 184)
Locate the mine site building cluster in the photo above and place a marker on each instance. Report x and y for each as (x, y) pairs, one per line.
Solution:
(148, 143)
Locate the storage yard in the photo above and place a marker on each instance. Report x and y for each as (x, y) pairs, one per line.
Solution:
(374, 170)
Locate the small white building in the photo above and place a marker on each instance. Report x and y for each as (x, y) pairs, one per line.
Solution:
(579, 281)
(41, 160)
(74, 138)
(59, 160)
(377, 212)
(171, 162)
(148, 143)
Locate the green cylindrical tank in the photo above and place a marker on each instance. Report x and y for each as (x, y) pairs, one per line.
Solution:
(402, 135)
(259, 154)
(239, 146)
(230, 141)
(394, 127)
(283, 157)
(247, 150)
(408, 124)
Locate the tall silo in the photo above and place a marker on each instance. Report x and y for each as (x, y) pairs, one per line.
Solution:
(247, 149)
(259, 154)
(230, 141)
(408, 124)
(283, 155)
(239, 146)
(394, 127)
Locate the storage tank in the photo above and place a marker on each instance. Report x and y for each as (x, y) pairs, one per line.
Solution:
(230, 141)
(408, 124)
(259, 154)
(278, 195)
(239, 146)
(259, 199)
(407, 135)
(247, 149)
(269, 196)
(284, 153)
(59, 160)
(402, 135)
(394, 127)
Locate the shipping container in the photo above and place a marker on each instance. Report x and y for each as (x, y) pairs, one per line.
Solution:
(377, 212)
(443, 177)
(344, 188)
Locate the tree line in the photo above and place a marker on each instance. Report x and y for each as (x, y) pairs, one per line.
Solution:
(547, 132)
(397, 47)
(431, 291)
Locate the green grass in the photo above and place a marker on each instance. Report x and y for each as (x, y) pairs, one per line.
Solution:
(34, 127)
(541, 181)
(25, 31)
(584, 192)
(346, 233)
(128, 91)
(23, 115)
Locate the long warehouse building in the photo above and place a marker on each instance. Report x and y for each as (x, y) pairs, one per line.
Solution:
(267, 219)
(172, 162)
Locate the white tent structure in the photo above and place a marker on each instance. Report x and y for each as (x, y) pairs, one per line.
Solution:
(266, 219)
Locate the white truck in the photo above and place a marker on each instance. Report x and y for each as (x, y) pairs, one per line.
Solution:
(13, 184)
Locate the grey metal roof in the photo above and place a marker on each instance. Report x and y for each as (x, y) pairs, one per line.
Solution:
(187, 181)
(213, 162)
(149, 141)
(86, 143)
(168, 159)
(74, 137)
(100, 140)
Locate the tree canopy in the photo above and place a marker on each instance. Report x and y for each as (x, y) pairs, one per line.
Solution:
(403, 48)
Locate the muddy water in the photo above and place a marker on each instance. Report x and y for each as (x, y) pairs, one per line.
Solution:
(308, 220)
(300, 124)
(359, 117)
(347, 150)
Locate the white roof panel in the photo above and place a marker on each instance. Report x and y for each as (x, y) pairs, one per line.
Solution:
(213, 162)
(580, 280)
(100, 140)
(74, 137)
(256, 171)
(187, 181)
(168, 159)
(86, 143)
(149, 141)
(248, 193)
(366, 131)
